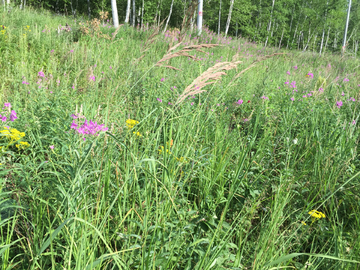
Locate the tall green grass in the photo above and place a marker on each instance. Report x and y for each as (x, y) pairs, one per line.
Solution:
(209, 184)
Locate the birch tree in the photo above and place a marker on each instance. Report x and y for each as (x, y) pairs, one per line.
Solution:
(168, 19)
(133, 14)
(269, 24)
(127, 16)
(229, 17)
(219, 20)
(114, 13)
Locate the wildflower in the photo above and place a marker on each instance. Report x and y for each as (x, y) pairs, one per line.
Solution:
(248, 101)
(288, 73)
(353, 122)
(343, 94)
(131, 123)
(345, 80)
(71, 51)
(52, 147)
(292, 99)
(309, 94)
(41, 74)
(92, 78)
(158, 99)
(7, 105)
(51, 51)
(321, 89)
(295, 141)
(162, 79)
(295, 67)
(303, 223)
(137, 134)
(339, 104)
(192, 103)
(13, 116)
(309, 75)
(286, 82)
(264, 97)
(240, 101)
(22, 145)
(316, 215)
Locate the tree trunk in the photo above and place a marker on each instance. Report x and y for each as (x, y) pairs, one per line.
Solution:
(168, 19)
(269, 25)
(229, 17)
(292, 17)
(114, 13)
(219, 20)
(133, 14)
(142, 15)
(127, 16)
(282, 34)
(199, 17)
(346, 27)
(327, 39)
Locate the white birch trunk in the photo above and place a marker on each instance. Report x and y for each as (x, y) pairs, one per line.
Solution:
(229, 17)
(168, 19)
(269, 25)
(199, 17)
(142, 15)
(282, 35)
(127, 16)
(133, 14)
(114, 13)
(322, 41)
(219, 20)
(327, 39)
(89, 10)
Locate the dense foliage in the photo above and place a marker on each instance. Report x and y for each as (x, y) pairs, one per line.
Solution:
(316, 25)
(259, 171)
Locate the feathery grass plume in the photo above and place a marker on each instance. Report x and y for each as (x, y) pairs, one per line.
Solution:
(210, 76)
(150, 40)
(187, 19)
(183, 52)
(116, 31)
(253, 65)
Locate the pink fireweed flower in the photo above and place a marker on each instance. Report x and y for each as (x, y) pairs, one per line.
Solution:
(52, 147)
(310, 75)
(162, 79)
(13, 116)
(41, 74)
(309, 94)
(286, 82)
(158, 99)
(353, 122)
(339, 104)
(295, 67)
(343, 94)
(264, 97)
(240, 101)
(71, 51)
(51, 51)
(92, 78)
(288, 73)
(192, 103)
(345, 80)
(7, 105)
(292, 99)
(321, 89)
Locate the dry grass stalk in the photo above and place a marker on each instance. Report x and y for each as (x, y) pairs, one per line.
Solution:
(210, 76)
(183, 52)
(253, 65)
(116, 31)
(187, 19)
(150, 40)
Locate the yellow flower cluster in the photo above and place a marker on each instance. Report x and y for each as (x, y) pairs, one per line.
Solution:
(316, 214)
(12, 135)
(3, 30)
(131, 123)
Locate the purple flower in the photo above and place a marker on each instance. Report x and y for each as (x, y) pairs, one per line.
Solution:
(286, 82)
(240, 101)
(264, 97)
(158, 99)
(321, 90)
(245, 120)
(41, 74)
(7, 105)
(295, 67)
(13, 116)
(339, 104)
(343, 94)
(51, 92)
(51, 51)
(353, 122)
(346, 80)
(192, 103)
(162, 79)
(92, 78)
(310, 75)
(309, 94)
(3, 118)
(288, 73)
(304, 96)
(52, 147)
(292, 99)
(71, 51)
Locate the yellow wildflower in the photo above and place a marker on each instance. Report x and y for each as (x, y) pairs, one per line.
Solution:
(130, 123)
(162, 149)
(22, 145)
(316, 215)
(137, 134)
(303, 222)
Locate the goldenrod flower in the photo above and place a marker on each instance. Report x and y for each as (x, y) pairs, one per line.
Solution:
(303, 222)
(137, 134)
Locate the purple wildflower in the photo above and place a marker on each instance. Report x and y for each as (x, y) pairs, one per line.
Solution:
(13, 116)
(292, 99)
(288, 73)
(52, 147)
(240, 101)
(158, 99)
(345, 80)
(41, 74)
(310, 75)
(339, 104)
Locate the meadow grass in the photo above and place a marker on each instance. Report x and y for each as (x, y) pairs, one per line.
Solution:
(224, 179)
